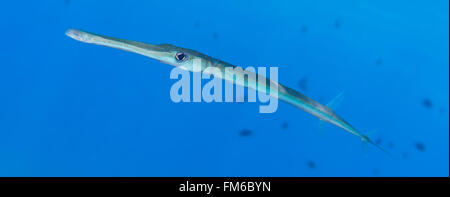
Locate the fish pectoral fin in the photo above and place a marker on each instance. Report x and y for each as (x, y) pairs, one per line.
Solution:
(366, 140)
(336, 101)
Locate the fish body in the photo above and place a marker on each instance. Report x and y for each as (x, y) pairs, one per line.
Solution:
(184, 58)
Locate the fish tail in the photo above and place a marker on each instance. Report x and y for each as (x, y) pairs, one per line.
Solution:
(366, 139)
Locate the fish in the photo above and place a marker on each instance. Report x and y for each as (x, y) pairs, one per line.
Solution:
(184, 59)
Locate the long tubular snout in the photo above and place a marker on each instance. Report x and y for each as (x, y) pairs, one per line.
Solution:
(149, 50)
(81, 36)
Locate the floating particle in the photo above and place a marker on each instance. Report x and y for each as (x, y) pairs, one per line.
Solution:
(245, 133)
(420, 146)
(375, 172)
(304, 29)
(379, 61)
(427, 103)
(404, 155)
(215, 36)
(390, 145)
(284, 125)
(311, 164)
(303, 84)
(337, 24)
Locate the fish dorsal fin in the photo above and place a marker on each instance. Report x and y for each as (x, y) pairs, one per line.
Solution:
(336, 101)
(328, 109)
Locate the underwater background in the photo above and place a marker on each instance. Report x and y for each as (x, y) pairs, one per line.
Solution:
(72, 109)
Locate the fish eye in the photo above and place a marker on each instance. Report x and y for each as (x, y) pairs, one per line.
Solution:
(180, 57)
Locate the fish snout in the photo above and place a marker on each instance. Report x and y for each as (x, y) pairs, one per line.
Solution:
(80, 35)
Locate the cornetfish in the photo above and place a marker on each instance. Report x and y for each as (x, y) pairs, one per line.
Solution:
(183, 58)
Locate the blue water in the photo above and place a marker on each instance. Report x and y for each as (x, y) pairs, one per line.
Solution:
(72, 109)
